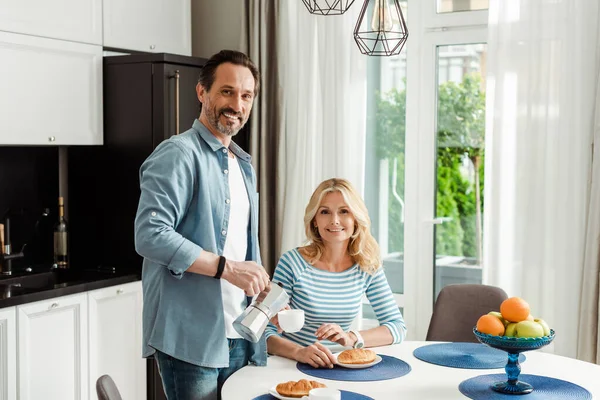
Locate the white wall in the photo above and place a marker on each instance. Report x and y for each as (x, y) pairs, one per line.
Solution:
(216, 25)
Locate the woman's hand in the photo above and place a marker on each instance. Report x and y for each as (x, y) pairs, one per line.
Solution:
(316, 355)
(334, 333)
(275, 319)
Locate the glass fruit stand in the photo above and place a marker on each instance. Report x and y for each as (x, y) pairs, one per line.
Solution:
(513, 346)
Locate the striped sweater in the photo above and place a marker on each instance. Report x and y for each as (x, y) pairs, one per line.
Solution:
(333, 297)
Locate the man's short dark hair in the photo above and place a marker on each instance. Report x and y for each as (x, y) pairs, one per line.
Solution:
(207, 75)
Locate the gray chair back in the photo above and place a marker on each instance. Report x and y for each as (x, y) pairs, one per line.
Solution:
(457, 309)
(106, 389)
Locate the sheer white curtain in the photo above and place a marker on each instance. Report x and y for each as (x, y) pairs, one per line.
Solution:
(542, 74)
(323, 81)
(588, 344)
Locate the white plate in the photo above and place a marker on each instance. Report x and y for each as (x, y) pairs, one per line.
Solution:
(273, 392)
(359, 366)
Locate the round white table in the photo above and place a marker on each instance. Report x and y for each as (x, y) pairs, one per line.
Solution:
(425, 381)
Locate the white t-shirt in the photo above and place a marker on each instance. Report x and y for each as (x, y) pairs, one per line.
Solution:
(236, 244)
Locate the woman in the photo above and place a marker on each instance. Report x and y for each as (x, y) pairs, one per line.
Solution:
(328, 277)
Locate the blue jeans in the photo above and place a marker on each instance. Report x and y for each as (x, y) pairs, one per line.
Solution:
(185, 381)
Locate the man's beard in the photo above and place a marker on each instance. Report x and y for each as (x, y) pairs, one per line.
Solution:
(213, 117)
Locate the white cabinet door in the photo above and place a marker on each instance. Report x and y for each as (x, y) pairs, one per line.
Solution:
(51, 91)
(8, 351)
(53, 349)
(174, 27)
(159, 26)
(75, 20)
(115, 316)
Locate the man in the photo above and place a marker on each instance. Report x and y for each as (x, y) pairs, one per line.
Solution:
(196, 227)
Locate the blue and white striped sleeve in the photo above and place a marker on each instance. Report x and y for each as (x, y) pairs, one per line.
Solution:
(382, 300)
(284, 274)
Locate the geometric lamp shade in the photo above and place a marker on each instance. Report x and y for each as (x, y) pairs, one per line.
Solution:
(385, 32)
(327, 7)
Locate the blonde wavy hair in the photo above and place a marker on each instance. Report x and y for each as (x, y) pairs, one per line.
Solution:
(362, 247)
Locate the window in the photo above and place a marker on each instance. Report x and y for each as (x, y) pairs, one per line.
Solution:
(448, 6)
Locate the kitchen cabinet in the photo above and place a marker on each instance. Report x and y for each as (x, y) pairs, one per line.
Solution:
(74, 20)
(53, 349)
(8, 354)
(115, 323)
(51, 91)
(157, 26)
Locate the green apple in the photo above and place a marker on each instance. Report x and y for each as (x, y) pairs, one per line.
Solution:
(529, 329)
(499, 316)
(544, 325)
(510, 329)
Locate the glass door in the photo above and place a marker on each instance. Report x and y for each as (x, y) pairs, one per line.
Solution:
(448, 150)
(425, 131)
(460, 145)
(385, 166)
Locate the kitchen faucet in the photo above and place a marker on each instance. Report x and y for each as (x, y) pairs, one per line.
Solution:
(7, 255)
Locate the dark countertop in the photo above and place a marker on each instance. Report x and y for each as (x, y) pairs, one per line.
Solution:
(28, 287)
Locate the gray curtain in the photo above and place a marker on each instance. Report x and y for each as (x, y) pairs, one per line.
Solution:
(259, 41)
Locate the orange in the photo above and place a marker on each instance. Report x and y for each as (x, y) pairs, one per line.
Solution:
(514, 309)
(491, 325)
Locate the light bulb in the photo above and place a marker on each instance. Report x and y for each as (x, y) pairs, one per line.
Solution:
(382, 17)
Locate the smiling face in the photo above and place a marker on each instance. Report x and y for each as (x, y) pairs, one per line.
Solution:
(334, 219)
(227, 105)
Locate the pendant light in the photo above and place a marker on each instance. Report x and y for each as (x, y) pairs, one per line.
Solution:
(385, 33)
(327, 7)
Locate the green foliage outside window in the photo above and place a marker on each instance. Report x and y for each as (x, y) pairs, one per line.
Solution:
(461, 134)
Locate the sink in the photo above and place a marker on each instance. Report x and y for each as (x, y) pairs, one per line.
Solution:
(52, 279)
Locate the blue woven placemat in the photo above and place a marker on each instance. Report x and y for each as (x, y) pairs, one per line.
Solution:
(544, 388)
(389, 368)
(463, 355)
(345, 396)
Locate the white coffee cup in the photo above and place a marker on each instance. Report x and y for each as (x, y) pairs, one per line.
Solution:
(291, 320)
(323, 394)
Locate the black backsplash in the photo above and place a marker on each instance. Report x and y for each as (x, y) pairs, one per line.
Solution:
(28, 185)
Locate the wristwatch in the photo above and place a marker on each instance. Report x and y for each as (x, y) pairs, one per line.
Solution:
(360, 343)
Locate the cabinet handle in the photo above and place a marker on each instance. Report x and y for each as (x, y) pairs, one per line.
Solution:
(51, 139)
(52, 306)
(119, 291)
(177, 102)
(152, 47)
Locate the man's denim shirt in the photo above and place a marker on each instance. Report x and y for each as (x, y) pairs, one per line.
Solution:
(183, 210)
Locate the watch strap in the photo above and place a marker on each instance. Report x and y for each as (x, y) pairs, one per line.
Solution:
(360, 343)
(220, 267)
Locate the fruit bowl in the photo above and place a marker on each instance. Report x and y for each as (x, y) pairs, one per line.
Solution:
(513, 346)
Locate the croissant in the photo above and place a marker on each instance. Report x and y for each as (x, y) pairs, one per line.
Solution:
(297, 389)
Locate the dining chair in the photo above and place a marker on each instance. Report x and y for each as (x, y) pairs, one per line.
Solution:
(457, 309)
(106, 389)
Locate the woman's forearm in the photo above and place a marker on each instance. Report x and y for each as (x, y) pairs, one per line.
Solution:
(279, 346)
(379, 336)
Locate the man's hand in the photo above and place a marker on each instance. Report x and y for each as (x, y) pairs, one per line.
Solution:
(334, 333)
(316, 355)
(247, 275)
